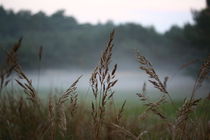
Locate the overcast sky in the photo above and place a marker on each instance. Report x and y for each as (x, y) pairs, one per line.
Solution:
(159, 13)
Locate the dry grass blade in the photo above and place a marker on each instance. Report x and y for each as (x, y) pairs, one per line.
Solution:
(202, 75)
(11, 62)
(148, 68)
(125, 131)
(60, 110)
(188, 64)
(165, 81)
(12, 54)
(154, 78)
(69, 91)
(183, 116)
(119, 115)
(29, 90)
(73, 103)
(51, 115)
(152, 106)
(128, 133)
(102, 80)
(42, 130)
(208, 97)
(142, 94)
(189, 105)
(155, 107)
(183, 66)
(40, 53)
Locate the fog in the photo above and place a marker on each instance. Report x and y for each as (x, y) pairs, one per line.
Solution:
(129, 83)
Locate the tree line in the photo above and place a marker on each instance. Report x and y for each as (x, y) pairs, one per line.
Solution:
(69, 43)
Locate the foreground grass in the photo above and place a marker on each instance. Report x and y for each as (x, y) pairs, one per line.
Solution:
(21, 119)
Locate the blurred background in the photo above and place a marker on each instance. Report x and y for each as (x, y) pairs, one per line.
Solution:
(173, 35)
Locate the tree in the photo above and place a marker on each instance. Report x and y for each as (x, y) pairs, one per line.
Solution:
(208, 3)
(202, 27)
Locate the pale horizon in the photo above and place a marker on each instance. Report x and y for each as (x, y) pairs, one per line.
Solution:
(161, 14)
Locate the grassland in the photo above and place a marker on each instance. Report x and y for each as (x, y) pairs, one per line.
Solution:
(26, 116)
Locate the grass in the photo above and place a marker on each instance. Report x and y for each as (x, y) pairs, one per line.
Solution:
(101, 115)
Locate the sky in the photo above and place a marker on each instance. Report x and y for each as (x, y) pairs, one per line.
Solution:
(161, 14)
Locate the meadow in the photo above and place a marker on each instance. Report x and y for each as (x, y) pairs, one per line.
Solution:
(24, 115)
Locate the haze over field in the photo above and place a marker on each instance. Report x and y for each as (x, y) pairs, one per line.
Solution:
(74, 33)
(129, 83)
